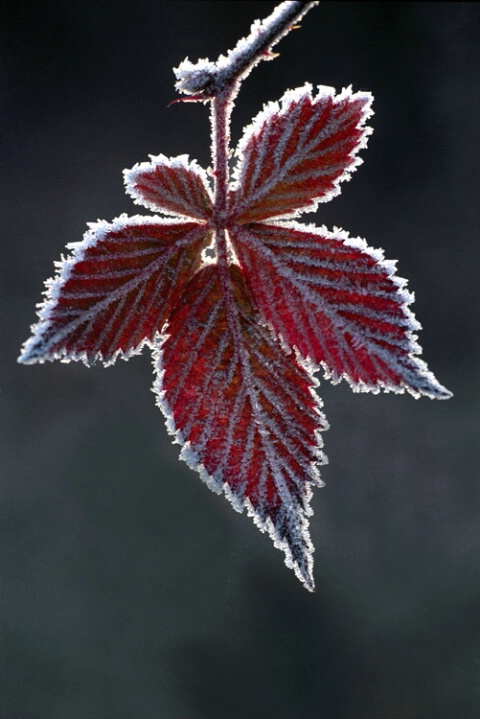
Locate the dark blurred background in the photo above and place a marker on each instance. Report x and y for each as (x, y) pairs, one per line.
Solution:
(129, 590)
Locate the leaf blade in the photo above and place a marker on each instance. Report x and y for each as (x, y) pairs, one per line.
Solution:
(339, 303)
(244, 411)
(171, 185)
(296, 152)
(116, 291)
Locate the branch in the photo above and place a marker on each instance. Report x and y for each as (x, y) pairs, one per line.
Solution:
(206, 79)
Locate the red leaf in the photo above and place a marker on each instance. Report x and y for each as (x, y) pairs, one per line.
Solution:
(117, 290)
(243, 409)
(338, 302)
(171, 185)
(228, 339)
(294, 156)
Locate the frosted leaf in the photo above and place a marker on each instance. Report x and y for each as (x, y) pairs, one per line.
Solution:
(171, 185)
(244, 410)
(117, 289)
(296, 153)
(338, 302)
(241, 313)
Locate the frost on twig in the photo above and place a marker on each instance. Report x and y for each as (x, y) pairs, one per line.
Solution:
(207, 79)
